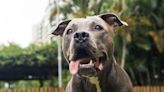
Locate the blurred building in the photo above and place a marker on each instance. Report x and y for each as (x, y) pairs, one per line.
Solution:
(36, 33)
(41, 32)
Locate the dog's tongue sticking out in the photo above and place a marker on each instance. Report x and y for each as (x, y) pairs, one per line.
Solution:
(74, 67)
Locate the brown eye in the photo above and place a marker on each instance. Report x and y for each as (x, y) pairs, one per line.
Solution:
(98, 27)
(69, 31)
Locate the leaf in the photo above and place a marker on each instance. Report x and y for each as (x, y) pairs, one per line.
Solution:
(158, 38)
(128, 38)
(144, 44)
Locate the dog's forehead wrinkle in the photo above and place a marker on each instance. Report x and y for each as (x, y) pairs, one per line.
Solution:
(98, 20)
(86, 23)
(78, 23)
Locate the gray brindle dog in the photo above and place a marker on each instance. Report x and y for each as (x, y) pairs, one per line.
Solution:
(88, 48)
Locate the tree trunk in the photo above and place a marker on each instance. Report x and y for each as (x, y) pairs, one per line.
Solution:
(41, 83)
(123, 57)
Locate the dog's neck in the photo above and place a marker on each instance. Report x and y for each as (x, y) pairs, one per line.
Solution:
(107, 74)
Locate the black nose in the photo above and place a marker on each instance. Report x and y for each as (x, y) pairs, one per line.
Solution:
(81, 36)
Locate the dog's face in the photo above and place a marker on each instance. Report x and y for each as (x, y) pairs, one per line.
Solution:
(88, 42)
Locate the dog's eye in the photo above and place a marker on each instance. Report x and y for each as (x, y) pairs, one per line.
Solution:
(69, 31)
(98, 27)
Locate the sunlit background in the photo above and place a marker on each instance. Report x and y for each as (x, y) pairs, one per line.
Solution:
(17, 18)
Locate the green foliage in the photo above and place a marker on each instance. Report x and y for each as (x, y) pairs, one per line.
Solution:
(32, 55)
(66, 76)
(26, 84)
(11, 50)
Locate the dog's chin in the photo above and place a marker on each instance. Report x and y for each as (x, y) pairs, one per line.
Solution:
(86, 66)
(88, 72)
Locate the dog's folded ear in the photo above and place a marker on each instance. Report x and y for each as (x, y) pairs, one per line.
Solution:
(112, 20)
(59, 30)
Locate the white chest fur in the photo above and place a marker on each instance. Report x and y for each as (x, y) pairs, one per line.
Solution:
(95, 81)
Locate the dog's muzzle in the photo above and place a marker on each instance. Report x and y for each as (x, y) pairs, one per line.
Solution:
(84, 58)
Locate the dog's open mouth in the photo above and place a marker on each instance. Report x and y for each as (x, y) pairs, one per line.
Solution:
(86, 65)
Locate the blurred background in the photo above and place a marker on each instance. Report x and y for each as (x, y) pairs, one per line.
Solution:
(30, 55)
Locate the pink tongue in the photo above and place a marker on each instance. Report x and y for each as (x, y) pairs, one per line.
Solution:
(74, 67)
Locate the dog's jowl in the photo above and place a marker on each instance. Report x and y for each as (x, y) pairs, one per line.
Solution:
(88, 48)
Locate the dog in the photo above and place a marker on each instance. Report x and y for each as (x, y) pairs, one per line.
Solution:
(87, 45)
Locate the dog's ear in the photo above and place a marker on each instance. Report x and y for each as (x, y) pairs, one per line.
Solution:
(59, 30)
(112, 20)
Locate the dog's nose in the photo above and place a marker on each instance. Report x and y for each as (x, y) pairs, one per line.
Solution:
(81, 36)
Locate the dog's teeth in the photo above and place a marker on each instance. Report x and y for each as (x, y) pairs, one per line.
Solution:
(91, 62)
(100, 67)
(81, 65)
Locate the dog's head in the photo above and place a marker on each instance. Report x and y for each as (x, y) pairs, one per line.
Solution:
(88, 42)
